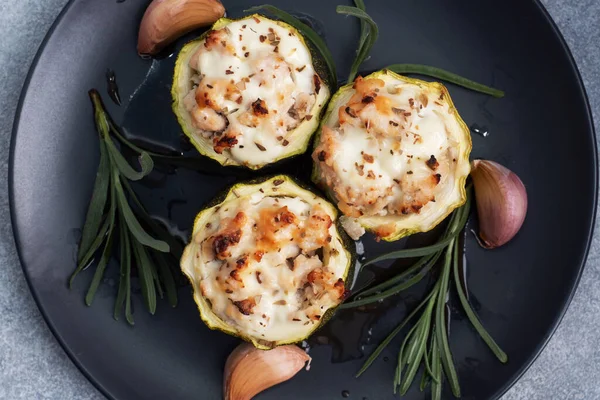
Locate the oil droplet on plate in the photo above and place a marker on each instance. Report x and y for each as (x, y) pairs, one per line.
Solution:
(112, 87)
(480, 130)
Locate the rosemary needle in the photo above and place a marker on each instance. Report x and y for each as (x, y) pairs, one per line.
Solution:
(388, 292)
(362, 42)
(125, 168)
(428, 368)
(391, 336)
(125, 260)
(444, 75)
(106, 253)
(364, 29)
(128, 314)
(367, 38)
(403, 355)
(440, 322)
(97, 203)
(419, 350)
(134, 226)
(425, 260)
(501, 355)
(145, 274)
(436, 368)
(416, 252)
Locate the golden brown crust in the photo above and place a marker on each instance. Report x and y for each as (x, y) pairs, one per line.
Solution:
(371, 110)
(229, 236)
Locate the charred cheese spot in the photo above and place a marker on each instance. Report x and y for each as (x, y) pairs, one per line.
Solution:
(241, 262)
(432, 163)
(224, 142)
(229, 236)
(222, 243)
(245, 306)
(259, 107)
(317, 83)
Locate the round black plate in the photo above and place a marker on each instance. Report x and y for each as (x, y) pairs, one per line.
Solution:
(542, 130)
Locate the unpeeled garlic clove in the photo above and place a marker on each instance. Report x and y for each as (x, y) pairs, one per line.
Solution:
(249, 371)
(166, 20)
(501, 202)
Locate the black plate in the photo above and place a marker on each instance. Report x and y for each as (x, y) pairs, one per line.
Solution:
(542, 130)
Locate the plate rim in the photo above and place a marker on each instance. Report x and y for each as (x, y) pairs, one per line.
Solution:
(590, 121)
(499, 393)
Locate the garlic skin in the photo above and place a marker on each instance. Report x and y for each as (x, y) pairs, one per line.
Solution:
(249, 371)
(501, 202)
(166, 20)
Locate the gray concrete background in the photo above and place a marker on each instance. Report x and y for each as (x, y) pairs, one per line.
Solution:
(33, 365)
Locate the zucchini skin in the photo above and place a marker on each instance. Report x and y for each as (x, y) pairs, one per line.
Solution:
(311, 127)
(204, 308)
(461, 181)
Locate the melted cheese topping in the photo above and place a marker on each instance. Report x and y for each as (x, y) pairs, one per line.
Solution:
(271, 266)
(390, 148)
(253, 85)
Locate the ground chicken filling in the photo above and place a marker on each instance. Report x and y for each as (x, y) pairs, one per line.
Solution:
(253, 84)
(388, 152)
(271, 266)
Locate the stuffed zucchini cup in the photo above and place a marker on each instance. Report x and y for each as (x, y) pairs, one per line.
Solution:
(247, 93)
(393, 154)
(267, 262)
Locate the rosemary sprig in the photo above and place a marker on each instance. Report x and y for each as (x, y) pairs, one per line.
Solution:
(389, 288)
(110, 218)
(364, 28)
(444, 75)
(416, 252)
(306, 31)
(417, 271)
(441, 334)
(368, 36)
(501, 355)
(426, 343)
(391, 336)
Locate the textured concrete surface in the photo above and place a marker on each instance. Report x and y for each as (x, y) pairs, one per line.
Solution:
(32, 364)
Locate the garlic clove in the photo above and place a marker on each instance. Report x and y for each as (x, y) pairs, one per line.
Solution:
(249, 371)
(501, 202)
(166, 20)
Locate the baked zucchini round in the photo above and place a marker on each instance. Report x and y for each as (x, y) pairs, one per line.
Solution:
(247, 92)
(268, 262)
(393, 154)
